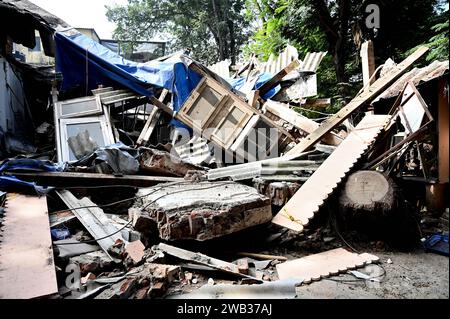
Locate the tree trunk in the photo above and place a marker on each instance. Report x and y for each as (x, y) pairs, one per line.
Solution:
(368, 192)
(372, 204)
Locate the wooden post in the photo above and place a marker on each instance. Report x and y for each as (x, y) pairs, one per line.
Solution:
(368, 62)
(443, 114)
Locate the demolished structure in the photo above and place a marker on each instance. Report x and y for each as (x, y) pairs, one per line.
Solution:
(125, 164)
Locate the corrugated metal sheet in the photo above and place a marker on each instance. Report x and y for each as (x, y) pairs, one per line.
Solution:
(196, 151)
(221, 68)
(275, 65)
(312, 61)
(307, 201)
(417, 76)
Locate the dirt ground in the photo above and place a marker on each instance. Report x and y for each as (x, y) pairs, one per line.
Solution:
(417, 275)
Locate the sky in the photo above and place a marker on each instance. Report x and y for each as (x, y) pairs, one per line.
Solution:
(82, 13)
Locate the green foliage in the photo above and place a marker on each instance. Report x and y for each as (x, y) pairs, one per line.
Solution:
(214, 30)
(439, 43)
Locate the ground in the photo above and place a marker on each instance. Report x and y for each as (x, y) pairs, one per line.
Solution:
(414, 275)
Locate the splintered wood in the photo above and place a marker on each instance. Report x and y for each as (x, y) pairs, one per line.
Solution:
(307, 200)
(27, 268)
(328, 263)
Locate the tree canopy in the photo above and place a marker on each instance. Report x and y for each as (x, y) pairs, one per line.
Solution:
(213, 30)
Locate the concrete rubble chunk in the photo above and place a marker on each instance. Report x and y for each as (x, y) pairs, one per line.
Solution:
(154, 161)
(199, 211)
(94, 262)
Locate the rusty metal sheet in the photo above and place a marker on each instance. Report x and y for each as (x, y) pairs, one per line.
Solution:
(306, 202)
(27, 268)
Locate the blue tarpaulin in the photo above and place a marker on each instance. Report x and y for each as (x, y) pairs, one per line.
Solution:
(12, 183)
(86, 64)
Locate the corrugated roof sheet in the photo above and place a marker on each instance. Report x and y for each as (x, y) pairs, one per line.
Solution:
(417, 76)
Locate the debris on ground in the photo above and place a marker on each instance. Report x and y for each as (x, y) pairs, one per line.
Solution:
(167, 180)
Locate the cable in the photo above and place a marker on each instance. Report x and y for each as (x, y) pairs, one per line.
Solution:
(152, 201)
(114, 203)
(95, 240)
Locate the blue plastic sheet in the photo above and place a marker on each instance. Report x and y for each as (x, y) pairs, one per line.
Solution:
(237, 84)
(13, 184)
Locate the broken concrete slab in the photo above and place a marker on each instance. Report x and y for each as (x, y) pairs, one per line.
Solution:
(322, 265)
(154, 161)
(199, 211)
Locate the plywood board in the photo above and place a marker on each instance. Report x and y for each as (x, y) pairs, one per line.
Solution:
(27, 268)
(365, 97)
(308, 199)
(322, 265)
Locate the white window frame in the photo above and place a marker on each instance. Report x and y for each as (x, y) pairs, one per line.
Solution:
(60, 105)
(63, 142)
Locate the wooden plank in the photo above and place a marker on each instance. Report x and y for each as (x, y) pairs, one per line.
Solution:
(93, 219)
(66, 179)
(161, 105)
(278, 77)
(27, 268)
(317, 103)
(151, 121)
(299, 121)
(368, 62)
(308, 199)
(365, 97)
(443, 151)
(322, 265)
(203, 260)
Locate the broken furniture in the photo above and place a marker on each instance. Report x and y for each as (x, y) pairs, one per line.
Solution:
(223, 118)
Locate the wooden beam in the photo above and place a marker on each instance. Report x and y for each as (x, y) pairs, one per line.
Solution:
(299, 121)
(443, 131)
(317, 103)
(365, 97)
(278, 77)
(368, 62)
(151, 121)
(70, 179)
(161, 105)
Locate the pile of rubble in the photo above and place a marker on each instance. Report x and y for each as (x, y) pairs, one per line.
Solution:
(123, 205)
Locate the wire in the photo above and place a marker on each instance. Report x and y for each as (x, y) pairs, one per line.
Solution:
(114, 203)
(152, 201)
(95, 240)
(312, 111)
(361, 279)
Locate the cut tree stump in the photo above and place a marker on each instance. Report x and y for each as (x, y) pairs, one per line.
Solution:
(372, 204)
(368, 191)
